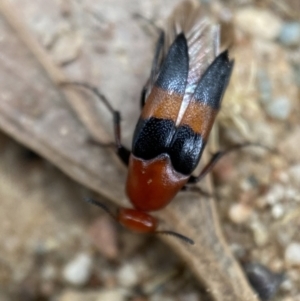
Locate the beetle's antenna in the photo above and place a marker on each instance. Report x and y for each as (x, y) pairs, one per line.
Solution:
(102, 206)
(178, 235)
(121, 150)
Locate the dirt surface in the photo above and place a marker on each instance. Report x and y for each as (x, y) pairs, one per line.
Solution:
(48, 234)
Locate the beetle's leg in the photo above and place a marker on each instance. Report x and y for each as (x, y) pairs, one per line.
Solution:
(197, 189)
(217, 156)
(121, 150)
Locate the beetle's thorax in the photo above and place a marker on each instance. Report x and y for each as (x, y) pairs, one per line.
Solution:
(152, 184)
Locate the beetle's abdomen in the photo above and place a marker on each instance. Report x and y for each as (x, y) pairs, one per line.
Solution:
(152, 184)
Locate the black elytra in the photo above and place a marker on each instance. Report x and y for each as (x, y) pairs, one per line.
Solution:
(156, 136)
(214, 81)
(174, 71)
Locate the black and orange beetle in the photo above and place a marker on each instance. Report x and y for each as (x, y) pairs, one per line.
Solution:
(179, 106)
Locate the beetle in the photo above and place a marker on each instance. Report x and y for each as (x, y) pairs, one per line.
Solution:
(179, 106)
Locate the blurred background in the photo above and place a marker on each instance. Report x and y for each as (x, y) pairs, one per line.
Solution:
(56, 247)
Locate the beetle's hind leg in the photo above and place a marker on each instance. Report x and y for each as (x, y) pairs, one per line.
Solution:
(197, 189)
(220, 154)
(122, 152)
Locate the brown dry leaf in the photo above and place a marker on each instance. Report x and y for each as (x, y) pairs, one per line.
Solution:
(36, 113)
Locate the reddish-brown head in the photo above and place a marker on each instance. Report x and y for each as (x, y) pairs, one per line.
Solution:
(137, 221)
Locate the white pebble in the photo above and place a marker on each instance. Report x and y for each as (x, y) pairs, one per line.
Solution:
(290, 34)
(239, 213)
(292, 254)
(279, 108)
(275, 194)
(283, 177)
(127, 276)
(78, 271)
(292, 193)
(277, 211)
(287, 285)
(258, 22)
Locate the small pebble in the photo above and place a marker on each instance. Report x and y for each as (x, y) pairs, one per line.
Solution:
(246, 185)
(275, 194)
(277, 211)
(127, 276)
(78, 271)
(258, 22)
(292, 254)
(290, 34)
(264, 281)
(260, 233)
(279, 108)
(283, 237)
(283, 177)
(239, 213)
(292, 193)
(287, 285)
